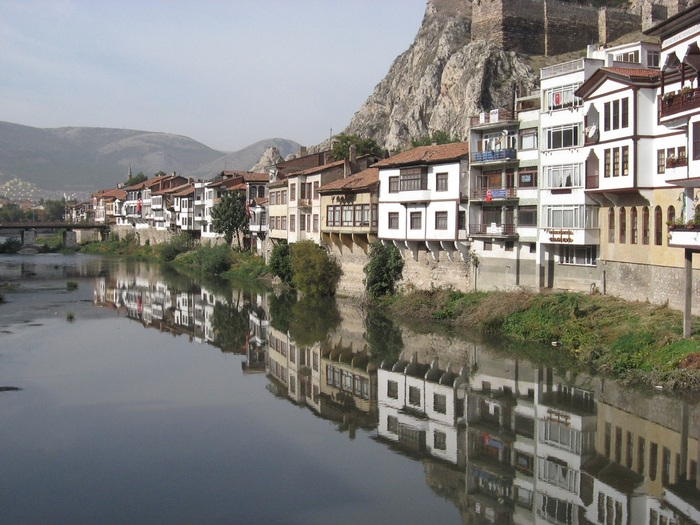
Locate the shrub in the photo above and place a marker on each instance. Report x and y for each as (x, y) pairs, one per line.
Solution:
(11, 245)
(214, 259)
(313, 271)
(384, 269)
(71, 286)
(178, 244)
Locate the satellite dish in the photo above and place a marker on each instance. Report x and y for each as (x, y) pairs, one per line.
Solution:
(504, 132)
(590, 131)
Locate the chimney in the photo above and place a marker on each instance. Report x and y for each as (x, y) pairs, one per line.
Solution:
(302, 151)
(353, 154)
(326, 157)
(347, 169)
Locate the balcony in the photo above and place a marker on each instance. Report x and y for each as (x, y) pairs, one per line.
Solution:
(493, 230)
(682, 236)
(674, 103)
(673, 162)
(489, 194)
(491, 117)
(500, 155)
(304, 203)
(561, 69)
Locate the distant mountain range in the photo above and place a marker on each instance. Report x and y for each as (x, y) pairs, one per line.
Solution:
(82, 160)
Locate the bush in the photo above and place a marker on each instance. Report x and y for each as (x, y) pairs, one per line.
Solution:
(383, 270)
(281, 262)
(179, 244)
(313, 271)
(11, 245)
(214, 259)
(71, 286)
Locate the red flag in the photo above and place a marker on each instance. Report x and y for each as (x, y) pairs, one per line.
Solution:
(488, 195)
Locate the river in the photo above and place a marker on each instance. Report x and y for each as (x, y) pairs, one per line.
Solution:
(143, 396)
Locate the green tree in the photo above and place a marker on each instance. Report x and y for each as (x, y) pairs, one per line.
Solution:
(11, 213)
(54, 210)
(281, 262)
(161, 173)
(313, 271)
(437, 137)
(229, 217)
(383, 337)
(342, 143)
(384, 269)
(139, 177)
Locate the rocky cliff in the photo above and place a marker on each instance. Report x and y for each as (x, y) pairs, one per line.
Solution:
(446, 76)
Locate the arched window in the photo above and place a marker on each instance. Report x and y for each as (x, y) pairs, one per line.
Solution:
(623, 225)
(611, 225)
(645, 225)
(658, 226)
(634, 232)
(670, 217)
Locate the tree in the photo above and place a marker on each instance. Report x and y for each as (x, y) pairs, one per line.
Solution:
(54, 210)
(139, 177)
(342, 143)
(437, 137)
(313, 271)
(281, 262)
(161, 173)
(230, 218)
(384, 269)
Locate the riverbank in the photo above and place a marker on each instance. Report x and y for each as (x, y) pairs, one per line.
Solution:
(637, 343)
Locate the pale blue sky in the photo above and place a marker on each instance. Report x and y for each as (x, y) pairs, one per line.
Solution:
(225, 73)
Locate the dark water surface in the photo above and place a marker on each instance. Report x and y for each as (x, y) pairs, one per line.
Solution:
(170, 401)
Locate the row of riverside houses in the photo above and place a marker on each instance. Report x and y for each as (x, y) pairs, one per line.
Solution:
(578, 186)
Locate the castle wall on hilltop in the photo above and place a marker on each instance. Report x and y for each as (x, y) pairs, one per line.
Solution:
(548, 27)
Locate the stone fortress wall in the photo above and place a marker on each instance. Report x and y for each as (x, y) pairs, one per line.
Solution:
(553, 27)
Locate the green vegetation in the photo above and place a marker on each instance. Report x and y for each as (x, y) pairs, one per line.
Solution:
(181, 243)
(230, 218)
(71, 286)
(437, 137)
(313, 271)
(11, 245)
(342, 143)
(602, 333)
(136, 179)
(70, 317)
(281, 262)
(308, 320)
(383, 271)
(129, 247)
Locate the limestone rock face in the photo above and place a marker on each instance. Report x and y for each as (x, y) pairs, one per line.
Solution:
(270, 157)
(439, 82)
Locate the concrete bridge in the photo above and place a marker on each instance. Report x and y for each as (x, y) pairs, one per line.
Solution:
(27, 230)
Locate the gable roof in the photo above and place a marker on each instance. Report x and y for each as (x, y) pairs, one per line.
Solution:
(365, 179)
(626, 75)
(426, 155)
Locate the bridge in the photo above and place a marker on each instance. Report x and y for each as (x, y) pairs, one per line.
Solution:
(27, 230)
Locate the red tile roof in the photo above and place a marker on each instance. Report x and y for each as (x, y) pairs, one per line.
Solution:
(633, 72)
(359, 181)
(427, 155)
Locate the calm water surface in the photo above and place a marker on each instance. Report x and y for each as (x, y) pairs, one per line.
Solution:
(170, 401)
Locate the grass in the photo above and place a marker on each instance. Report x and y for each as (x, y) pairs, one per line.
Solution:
(602, 333)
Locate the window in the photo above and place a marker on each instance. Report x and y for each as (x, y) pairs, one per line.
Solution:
(633, 225)
(347, 215)
(653, 460)
(284, 222)
(488, 246)
(393, 184)
(315, 361)
(439, 440)
(392, 389)
(616, 114)
(611, 225)
(618, 445)
(578, 255)
(629, 450)
(653, 58)
(292, 223)
(392, 424)
(440, 220)
(284, 197)
(441, 182)
(624, 117)
(623, 225)
(414, 179)
(563, 176)
(462, 220)
(316, 185)
(616, 162)
(416, 220)
(527, 216)
(273, 198)
(440, 403)
(640, 454)
(393, 220)
(607, 162)
(315, 221)
(658, 226)
(562, 97)
(559, 137)
(527, 178)
(292, 192)
(606, 116)
(645, 225)
(570, 216)
(528, 139)
(630, 56)
(333, 216)
(696, 140)
(414, 395)
(665, 465)
(292, 353)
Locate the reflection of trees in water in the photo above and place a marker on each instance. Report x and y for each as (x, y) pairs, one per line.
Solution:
(308, 320)
(230, 323)
(383, 336)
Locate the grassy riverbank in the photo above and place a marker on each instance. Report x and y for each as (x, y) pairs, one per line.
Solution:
(635, 342)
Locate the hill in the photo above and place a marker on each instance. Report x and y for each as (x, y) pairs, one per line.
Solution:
(81, 160)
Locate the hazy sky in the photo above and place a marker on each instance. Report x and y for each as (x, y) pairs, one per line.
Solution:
(225, 73)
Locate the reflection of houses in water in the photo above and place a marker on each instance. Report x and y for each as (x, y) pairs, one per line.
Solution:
(421, 408)
(257, 339)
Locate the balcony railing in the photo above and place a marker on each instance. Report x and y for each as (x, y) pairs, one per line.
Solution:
(488, 194)
(494, 155)
(673, 103)
(304, 203)
(492, 229)
(679, 162)
(560, 69)
(491, 117)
